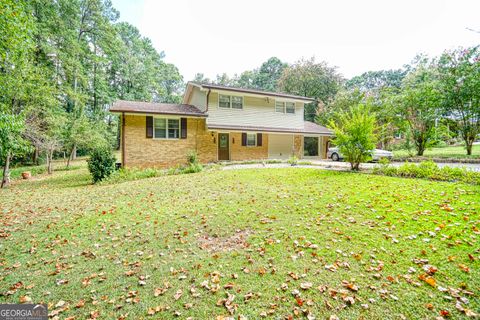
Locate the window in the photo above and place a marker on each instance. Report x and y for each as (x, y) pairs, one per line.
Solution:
(280, 107)
(284, 107)
(224, 101)
(173, 128)
(237, 102)
(160, 128)
(251, 139)
(290, 107)
(234, 102)
(166, 128)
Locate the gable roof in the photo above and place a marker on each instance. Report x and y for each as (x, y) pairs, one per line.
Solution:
(156, 108)
(251, 91)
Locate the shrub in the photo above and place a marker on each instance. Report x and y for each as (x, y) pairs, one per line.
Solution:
(355, 134)
(101, 164)
(429, 170)
(192, 168)
(293, 161)
(192, 157)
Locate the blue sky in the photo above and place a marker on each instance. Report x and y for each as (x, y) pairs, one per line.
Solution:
(216, 36)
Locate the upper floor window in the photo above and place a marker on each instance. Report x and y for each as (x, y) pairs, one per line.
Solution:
(284, 107)
(166, 128)
(290, 107)
(234, 102)
(280, 107)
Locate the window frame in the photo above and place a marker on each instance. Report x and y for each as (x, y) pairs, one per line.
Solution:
(294, 107)
(255, 140)
(284, 109)
(230, 105)
(167, 128)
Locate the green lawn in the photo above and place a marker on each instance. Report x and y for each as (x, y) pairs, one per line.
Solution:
(246, 242)
(458, 152)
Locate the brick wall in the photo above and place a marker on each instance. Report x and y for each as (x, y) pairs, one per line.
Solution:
(160, 153)
(298, 146)
(239, 152)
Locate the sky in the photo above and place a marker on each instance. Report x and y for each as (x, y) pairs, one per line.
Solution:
(230, 36)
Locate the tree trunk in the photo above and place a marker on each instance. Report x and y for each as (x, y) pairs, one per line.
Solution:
(355, 166)
(36, 155)
(6, 172)
(469, 144)
(49, 161)
(420, 147)
(72, 156)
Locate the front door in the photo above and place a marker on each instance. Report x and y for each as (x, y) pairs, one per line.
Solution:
(223, 146)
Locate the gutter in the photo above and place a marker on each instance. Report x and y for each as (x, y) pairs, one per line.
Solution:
(208, 95)
(123, 140)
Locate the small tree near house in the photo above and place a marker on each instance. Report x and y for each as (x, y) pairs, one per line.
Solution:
(355, 134)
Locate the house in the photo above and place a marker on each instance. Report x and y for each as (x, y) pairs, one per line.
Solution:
(218, 123)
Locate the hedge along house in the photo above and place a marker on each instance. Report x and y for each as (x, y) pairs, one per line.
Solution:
(218, 123)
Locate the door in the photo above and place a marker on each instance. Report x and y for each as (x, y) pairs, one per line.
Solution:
(280, 146)
(223, 146)
(310, 146)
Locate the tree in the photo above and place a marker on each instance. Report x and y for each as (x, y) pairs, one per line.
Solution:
(460, 86)
(418, 103)
(343, 101)
(373, 81)
(308, 78)
(355, 134)
(11, 142)
(267, 77)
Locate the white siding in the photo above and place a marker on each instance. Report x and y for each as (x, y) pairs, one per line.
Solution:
(256, 111)
(198, 98)
(280, 146)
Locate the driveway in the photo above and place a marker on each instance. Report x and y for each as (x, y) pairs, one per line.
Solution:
(346, 165)
(336, 165)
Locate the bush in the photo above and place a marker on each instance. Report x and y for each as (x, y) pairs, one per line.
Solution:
(293, 161)
(101, 164)
(192, 168)
(355, 134)
(192, 157)
(428, 170)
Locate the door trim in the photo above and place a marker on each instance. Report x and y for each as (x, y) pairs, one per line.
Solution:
(218, 146)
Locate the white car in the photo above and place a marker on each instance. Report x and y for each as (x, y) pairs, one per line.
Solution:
(377, 154)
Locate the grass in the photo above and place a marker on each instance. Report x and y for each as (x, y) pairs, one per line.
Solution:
(457, 152)
(58, 165)
(129, 249)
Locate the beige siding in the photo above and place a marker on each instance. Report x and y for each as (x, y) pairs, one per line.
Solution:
(280, 146)
(198, 98)
(256, 112)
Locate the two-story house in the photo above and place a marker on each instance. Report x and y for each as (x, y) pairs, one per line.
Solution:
(218, 123)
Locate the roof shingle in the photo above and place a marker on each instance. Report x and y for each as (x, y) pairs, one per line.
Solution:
(309, 128)
(156, 108)
(253, 91)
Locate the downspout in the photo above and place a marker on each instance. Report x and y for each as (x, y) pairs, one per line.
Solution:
(208, 95)
(123, 139)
